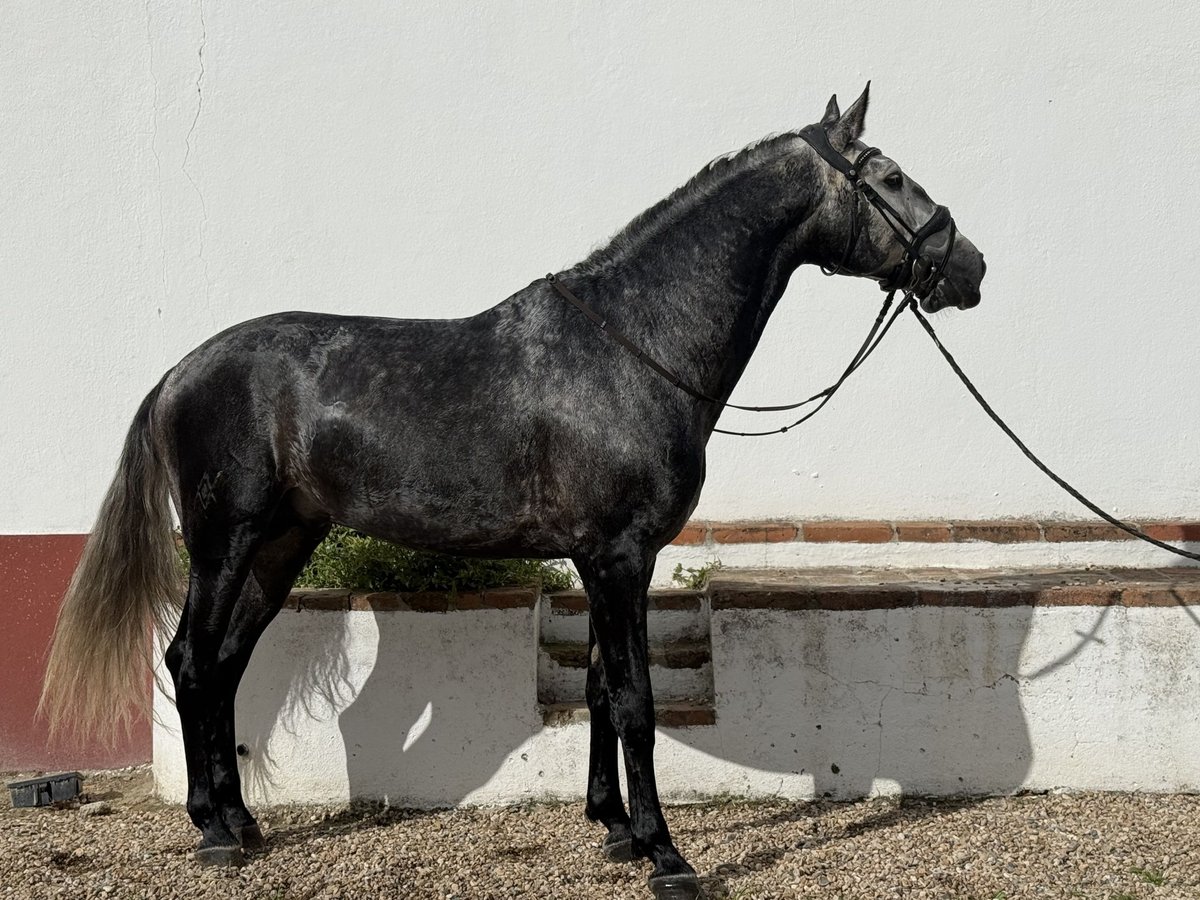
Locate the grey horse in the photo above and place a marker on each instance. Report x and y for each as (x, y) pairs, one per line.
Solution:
(523, 430)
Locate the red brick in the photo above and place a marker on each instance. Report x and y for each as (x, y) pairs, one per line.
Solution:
(1059, 532)
(1161, 595)
(680, 716)
(1080, 595)
(867, 596)
(510, 598)
(1173, 531)
(767, 533)
(847, 532)
(985, 596)
(923, 532)
(323, 599)
(753, 596)
(568, 603)
(427, 601)
(378, 601)
(692, 534)
(998, 532)
(465, 600)
(674, 599)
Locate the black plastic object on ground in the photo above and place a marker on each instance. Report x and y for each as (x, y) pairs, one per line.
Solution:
(45, 790)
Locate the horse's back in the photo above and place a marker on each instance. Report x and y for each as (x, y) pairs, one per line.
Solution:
(472, 435)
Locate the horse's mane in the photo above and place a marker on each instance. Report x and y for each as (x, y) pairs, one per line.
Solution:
(703, 185)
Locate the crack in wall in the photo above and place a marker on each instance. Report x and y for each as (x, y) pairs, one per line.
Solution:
(162, 223)
(187, 152)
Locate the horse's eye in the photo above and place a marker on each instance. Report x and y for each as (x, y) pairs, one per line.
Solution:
(894, 180)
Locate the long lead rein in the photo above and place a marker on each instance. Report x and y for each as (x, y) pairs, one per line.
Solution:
(1050, 473)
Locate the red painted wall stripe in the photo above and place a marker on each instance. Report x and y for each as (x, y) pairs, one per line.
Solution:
(34, 572)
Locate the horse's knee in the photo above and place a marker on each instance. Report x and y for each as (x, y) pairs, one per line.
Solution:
(633, 717)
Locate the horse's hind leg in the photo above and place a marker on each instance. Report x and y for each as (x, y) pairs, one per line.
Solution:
(604, 803)
(276, 564)
(220, 564)
(616, 585)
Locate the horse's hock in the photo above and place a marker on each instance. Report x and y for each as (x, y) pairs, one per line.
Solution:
(821, 682)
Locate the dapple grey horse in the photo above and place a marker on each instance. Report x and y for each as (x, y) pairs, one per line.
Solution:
(523, 430)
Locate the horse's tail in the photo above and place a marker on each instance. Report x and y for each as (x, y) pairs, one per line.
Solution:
(126, 586)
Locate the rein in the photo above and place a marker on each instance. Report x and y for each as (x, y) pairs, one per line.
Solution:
(874, 336)
(1046, 470)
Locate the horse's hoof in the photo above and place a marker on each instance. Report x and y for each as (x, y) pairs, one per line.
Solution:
(684, 886)
(618, 849)
(250, 837)
(220, 856)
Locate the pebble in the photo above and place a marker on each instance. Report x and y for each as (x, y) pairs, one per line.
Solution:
(96, 808)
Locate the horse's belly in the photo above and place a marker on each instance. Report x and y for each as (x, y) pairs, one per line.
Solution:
(455, 497)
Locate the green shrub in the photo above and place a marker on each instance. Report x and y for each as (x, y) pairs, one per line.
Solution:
(695, 579)
(349, 559)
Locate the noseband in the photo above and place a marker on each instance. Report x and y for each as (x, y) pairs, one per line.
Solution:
(912, 240)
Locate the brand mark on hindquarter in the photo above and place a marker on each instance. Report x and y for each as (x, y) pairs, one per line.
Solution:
(206, 493)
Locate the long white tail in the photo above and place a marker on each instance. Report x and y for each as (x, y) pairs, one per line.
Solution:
(126, 586)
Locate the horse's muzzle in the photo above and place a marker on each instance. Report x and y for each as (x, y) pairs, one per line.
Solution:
(960, 286)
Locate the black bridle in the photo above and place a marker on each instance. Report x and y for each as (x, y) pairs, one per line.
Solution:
(911, 239)
(900, 279)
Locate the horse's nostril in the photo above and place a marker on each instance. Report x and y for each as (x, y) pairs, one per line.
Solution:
(982, 267)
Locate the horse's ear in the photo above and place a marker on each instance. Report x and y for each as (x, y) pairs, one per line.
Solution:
(832, 112)
(849, 127)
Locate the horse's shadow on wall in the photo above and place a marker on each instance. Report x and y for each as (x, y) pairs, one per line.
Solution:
(436, 709)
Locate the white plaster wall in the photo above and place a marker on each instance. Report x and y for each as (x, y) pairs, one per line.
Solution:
(431, 710)
(170, 169)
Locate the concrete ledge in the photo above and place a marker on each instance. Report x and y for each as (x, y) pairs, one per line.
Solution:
(573, 603)
(666, 715)
(342, 600)
(831, 589)
(857, 589)
(676, 654)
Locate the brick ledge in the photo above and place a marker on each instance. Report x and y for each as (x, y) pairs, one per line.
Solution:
(862, 589)
(825, 589)
(343, 600)
(854, 531)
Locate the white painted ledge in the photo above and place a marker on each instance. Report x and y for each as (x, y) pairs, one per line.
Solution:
(429, 709)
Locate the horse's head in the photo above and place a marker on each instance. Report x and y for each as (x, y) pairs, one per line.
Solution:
(876, 222)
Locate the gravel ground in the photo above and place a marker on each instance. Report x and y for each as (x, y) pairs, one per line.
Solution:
(1110, 846)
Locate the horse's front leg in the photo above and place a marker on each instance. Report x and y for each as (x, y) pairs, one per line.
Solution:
(616, 585)
(604, 803)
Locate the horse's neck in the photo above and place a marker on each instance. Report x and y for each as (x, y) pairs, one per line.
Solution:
(697, 294)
